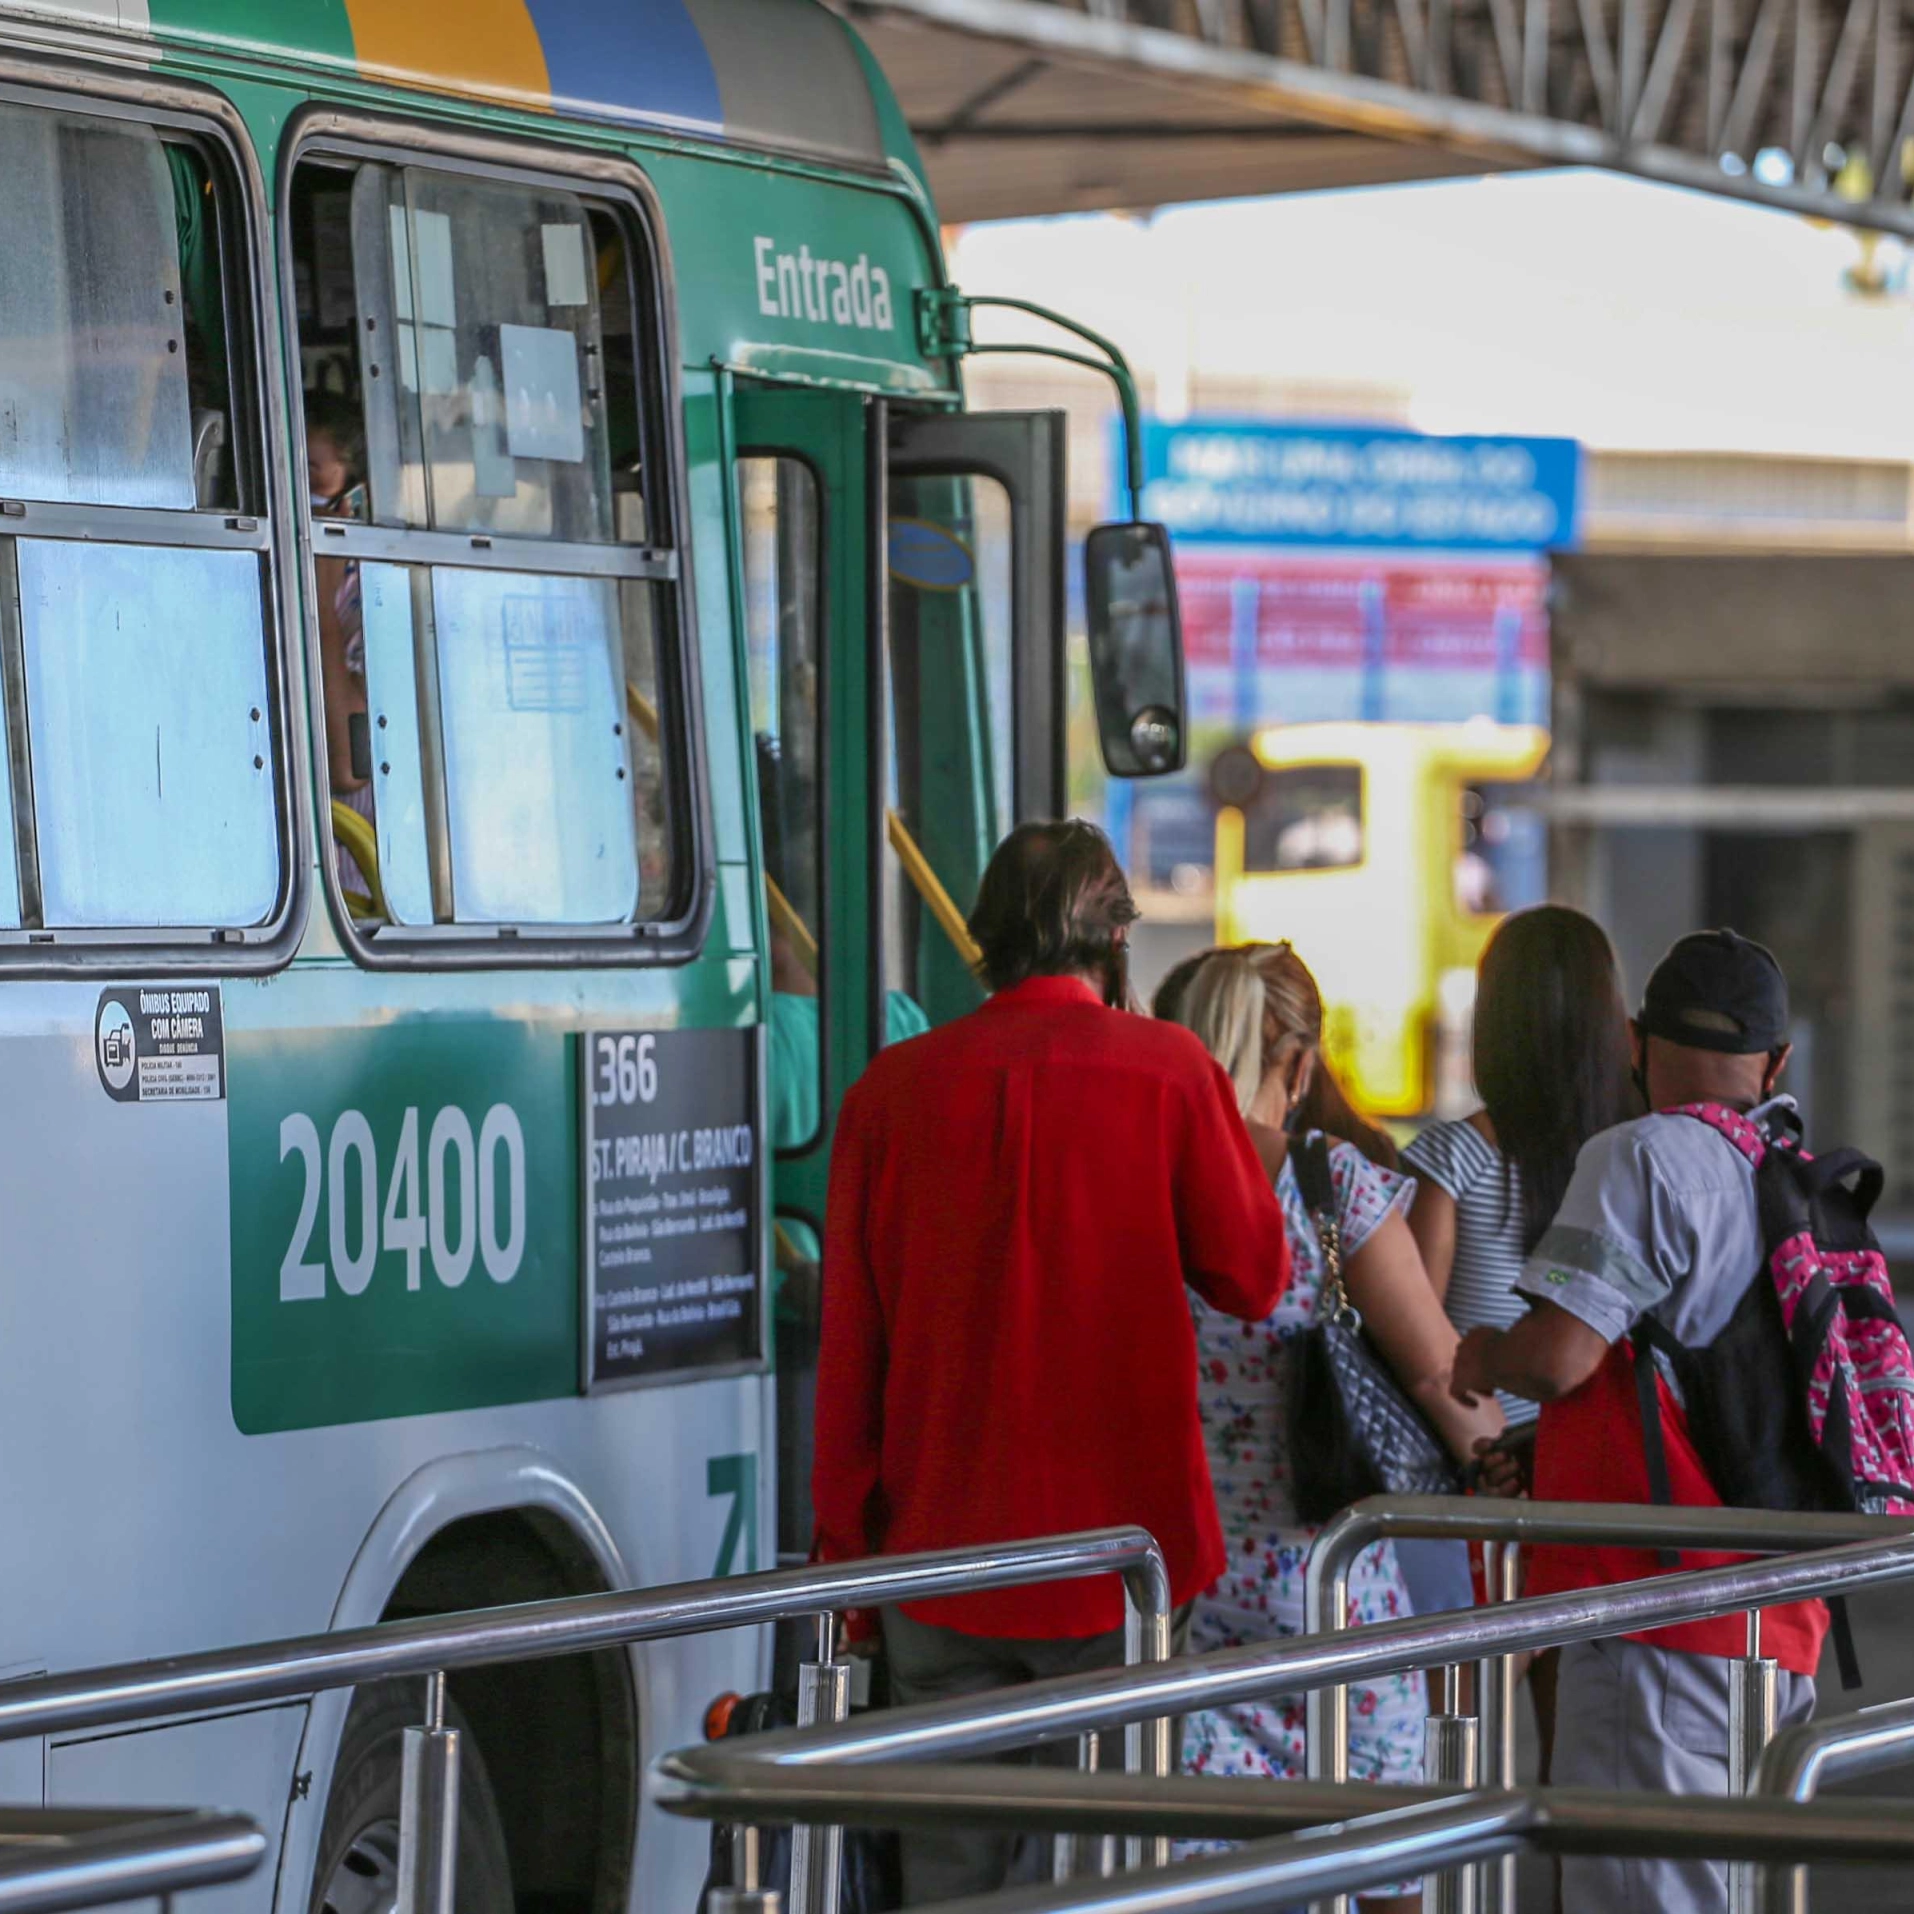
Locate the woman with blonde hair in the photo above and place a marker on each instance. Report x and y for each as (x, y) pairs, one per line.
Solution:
(1259, 1013)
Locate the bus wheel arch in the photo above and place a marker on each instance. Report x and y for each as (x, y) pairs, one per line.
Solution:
(558, 1738)
(555, 1742)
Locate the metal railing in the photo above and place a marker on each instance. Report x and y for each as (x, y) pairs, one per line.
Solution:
(569, 1625)
(1502, 1527)
(799, 1775)
(1801, 1760)
(52, 1859)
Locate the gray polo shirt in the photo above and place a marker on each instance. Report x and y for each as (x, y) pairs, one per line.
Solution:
(1660, 1217)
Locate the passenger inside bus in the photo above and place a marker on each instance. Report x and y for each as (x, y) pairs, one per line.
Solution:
(204, 326)
(335, 472)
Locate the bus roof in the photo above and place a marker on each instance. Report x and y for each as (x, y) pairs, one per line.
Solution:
(785, 74)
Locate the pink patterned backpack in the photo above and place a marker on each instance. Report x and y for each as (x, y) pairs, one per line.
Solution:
(1806, 1399)
(1818, 1340)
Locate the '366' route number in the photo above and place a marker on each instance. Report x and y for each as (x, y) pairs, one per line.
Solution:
(624, 1070)
(458, 1198)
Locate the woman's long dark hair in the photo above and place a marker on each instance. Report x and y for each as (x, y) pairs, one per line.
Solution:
(1551, 1049)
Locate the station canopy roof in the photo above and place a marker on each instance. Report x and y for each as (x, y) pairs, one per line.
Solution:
(1039, 106)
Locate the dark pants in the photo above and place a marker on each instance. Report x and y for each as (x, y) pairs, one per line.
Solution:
(928, 1663)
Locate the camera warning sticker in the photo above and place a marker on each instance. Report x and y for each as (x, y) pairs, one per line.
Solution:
(166, 1044)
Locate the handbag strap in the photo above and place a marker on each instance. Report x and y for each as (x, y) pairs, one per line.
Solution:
(1317, 1187)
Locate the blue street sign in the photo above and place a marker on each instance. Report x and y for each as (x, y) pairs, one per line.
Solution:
(1257, 482)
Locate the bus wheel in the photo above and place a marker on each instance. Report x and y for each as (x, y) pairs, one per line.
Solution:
(358, 1871)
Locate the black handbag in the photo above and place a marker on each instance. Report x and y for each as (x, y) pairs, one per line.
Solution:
(1352, 1430)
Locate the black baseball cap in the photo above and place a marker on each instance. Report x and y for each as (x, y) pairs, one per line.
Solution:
(1717, 991)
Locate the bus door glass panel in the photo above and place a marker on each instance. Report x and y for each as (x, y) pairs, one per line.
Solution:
(950, 760)
(1020, 459)
(481, 344)
(779, 506)
(140, 757)
(780, 512)
(975, 668)
(805, 497)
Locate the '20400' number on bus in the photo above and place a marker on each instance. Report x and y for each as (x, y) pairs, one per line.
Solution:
(459, 1217)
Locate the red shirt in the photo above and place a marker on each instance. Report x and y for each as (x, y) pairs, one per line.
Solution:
(1588, 1448)
(1016, 1202)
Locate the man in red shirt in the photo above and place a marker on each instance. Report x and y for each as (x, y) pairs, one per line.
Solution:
(1016, 1202)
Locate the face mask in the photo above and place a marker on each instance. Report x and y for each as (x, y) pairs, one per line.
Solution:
(321, 503)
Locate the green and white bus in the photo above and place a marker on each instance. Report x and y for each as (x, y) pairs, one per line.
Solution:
(500, 609)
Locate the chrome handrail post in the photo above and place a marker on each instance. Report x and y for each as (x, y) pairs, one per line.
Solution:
(817, 1853)
(1326, 1611)
(429, 1810)
(1495, 1678)
(1448, 1761)
(1835, 1747)
(1752, 1682)
(1148, 1636)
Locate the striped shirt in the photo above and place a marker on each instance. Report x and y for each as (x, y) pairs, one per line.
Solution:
(1487, 1191)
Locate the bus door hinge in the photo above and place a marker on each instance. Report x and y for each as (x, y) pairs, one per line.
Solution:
(943, 322)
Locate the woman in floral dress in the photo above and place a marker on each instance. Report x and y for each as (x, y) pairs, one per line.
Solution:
(1259, 1012)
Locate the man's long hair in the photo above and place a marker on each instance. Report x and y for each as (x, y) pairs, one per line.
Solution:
(1054, 903)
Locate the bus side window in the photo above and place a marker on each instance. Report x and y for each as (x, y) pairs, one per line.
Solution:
(782, 552)
(515, 692)
(141, 787)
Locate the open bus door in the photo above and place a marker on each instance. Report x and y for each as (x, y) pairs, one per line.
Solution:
(902, 579)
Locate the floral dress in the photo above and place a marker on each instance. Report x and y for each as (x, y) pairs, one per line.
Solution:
(1243, 1387)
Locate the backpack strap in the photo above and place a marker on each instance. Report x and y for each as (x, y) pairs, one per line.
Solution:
(1841, 1627)
(1740, 1129)
(1819, 1174)
(1650, 1335)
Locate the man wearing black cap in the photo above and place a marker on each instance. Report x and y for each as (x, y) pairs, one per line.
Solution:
(1660, 1219)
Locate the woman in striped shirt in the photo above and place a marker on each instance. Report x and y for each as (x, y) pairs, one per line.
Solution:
(1552, 1067)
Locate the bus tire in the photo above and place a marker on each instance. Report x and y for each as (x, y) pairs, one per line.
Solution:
(358, 1870)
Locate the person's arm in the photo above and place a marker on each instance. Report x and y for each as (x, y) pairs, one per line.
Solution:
(1432, 1224)
(1387, 1283)
(1546, 1355)
(1228, 1221)
(1614, 1251)
(846, 1466)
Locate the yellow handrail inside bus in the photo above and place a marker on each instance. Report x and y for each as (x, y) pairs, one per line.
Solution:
(917, 867)
(930, 888)
(784, 915)
(642, 710)
(362, 842)
(786, 921)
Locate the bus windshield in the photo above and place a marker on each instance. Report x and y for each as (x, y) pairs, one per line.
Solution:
(1306, 817)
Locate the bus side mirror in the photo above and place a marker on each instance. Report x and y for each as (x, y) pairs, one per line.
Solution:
(1136, 649)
